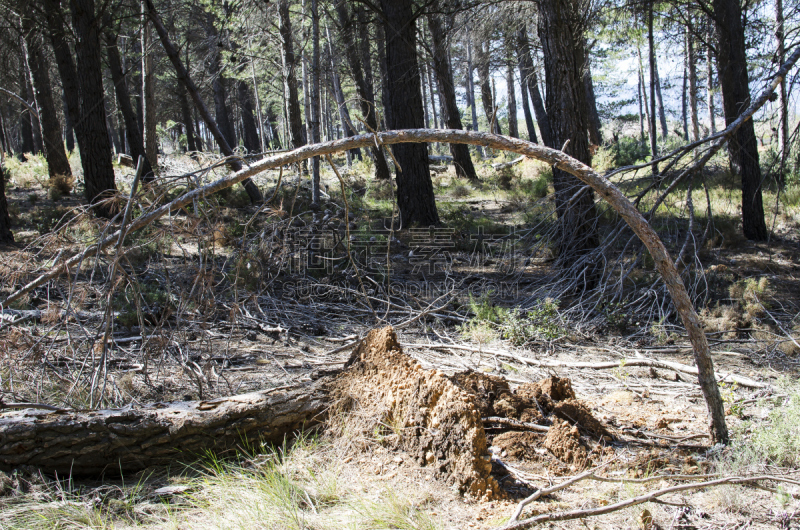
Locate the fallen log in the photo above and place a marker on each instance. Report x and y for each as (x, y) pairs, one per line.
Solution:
(128, 440)
(439, 159)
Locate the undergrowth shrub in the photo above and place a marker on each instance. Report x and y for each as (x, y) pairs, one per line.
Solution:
(542, 322)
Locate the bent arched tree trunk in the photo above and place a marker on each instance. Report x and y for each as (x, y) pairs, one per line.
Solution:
(558, 159)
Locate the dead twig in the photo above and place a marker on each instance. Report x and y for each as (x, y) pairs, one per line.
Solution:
(514, 524)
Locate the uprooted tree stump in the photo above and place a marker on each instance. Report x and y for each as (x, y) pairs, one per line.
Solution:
(437, 419)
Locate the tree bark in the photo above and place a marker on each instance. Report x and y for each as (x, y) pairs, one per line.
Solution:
(26, 144)
(651, 51)
(69, 136)
(529, 77)
(735, 82)
(710, 87)
(513, 126)
(692, 60)
(338, 94)
(471, 88)
(135, 142)
(183, 76)
(316, 111)
(36, 127)
(415, 197)
(245, 97)
(221, 114)
(366, 96)
(98, 171)
(484, 80)
(639, 90)
(526, 108)
(148, 94)
(783, 109)
(561, 33)
(186, 115)
(685, 87)
(447, 92)
(662, 116)
(425, 111)
(595, 126)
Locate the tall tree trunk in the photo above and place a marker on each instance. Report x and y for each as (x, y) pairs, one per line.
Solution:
(289, 77)
(485, 81)
(69, 136)
(36, 126)
(26, 144)
(651, 50)
(98, 171)
(447, 92)
(113, 137)
(4, 147)
(338, 94)
(415, 196)
(783, 117)
(595, 126)
(526, 108)
(685, 87)
(471, 88)
(434, 108)
(245, 97)
(148, 93)
(529, 77)
(562, 35)
(6, 236)
(643, 87)
(513, 126)
(710, 87)
(306, 87)
(425, 111)
(315, 101)
(118, 77)
(186, 115)
(692, 59)
(735, 82)
(183, 76)
(640, 90)
(662, 116)
(221, 113)
(380, 39)
(364, 89)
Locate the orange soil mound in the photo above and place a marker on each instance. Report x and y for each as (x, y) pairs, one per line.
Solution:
(432, 418)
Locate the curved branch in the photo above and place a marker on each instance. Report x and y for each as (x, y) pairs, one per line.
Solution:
(555, 158)
(28, 105)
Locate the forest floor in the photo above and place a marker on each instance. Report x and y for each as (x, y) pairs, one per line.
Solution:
(214, 304)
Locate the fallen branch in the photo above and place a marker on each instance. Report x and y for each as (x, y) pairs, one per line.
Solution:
(504, 165)
(547, 491)
(647, 497)
(678, 367)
